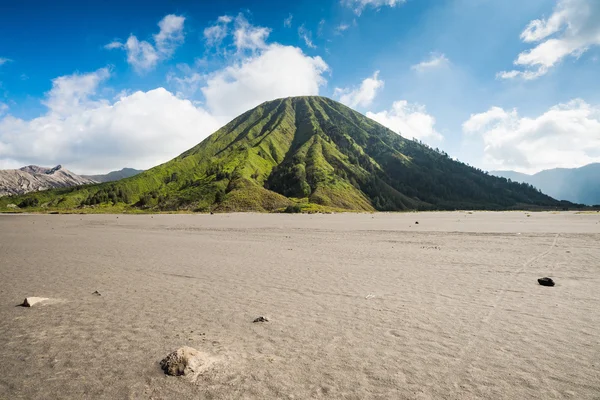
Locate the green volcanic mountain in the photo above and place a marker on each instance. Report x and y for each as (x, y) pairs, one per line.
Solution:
(299, 153)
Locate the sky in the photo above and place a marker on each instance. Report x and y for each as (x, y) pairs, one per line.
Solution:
(98, 86)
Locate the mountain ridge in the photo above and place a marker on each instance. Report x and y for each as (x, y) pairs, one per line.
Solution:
(307, 152)
(578, 185)
(114, 175)
(32, 178)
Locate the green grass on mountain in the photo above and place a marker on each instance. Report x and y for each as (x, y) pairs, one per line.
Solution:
(300, 153)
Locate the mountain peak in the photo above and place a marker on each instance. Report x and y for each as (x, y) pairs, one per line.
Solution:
(33, 178)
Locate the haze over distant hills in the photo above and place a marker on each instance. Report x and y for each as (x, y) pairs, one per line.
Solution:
(578, 185)
(114, 175)
(307, 153)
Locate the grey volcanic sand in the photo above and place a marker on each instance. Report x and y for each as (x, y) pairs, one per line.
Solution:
(360, 305)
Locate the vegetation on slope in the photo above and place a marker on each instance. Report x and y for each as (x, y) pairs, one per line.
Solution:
(306, 152)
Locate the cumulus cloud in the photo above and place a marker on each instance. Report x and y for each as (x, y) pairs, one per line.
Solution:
(567, 135)
(306, 35)
(92, 135)
(74, 93)
(143, 55)
(408, 120)
(571, 30)
(435, 60)
(278, 71)
(4, 60)
(288, 21)
(359, 5)
(3, 108)
(263, 72)
(363, 95)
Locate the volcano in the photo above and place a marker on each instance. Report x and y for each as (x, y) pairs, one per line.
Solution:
(305, 153)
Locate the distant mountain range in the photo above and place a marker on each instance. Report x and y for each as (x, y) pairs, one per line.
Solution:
(300, 154)
(33, 178)
(114, 175)
(578, 185)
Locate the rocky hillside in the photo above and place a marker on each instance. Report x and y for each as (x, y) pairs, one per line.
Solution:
(33, 178)
(302, 153)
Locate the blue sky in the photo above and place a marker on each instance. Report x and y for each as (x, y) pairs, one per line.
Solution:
(97, 86)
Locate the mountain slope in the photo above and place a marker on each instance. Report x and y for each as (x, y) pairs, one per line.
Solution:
(33, 178)
(303, 150)
(579, 185)
(114, 175)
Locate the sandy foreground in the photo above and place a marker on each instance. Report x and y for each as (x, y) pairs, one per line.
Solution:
(361, 306)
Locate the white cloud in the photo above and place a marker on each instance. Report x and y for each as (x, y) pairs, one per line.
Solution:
(435, 60)
(567, 135)
(215, 34)
(4, 60)
(408, 120)
(249, 37)
(363, 95)
(89, 135)
(306, 35)
(341, 28)
(508, 74)
(571, 30)
(113, 45)
(288, 21)
(3, 108)
(266, 72)
(278, 71)
(359, 5)
(188, 84)
(144, 56)
(478, 122)
(170, 35)
(74, 93)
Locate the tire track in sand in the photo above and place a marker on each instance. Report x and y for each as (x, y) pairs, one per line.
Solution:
(470, 352)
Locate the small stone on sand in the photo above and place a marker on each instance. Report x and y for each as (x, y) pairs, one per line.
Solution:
(30, 301)
(261, 319)
(97, 293)
(546, 281)
(183, 361)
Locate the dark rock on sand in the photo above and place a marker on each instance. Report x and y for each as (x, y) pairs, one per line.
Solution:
(546, 281)
(261, 319)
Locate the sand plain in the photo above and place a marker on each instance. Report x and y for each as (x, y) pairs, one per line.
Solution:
(361, 306)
